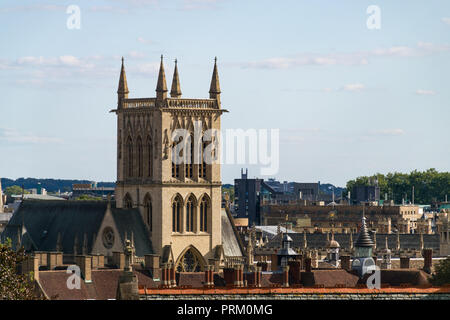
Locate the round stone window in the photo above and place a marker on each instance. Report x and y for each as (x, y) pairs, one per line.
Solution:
(108, 237)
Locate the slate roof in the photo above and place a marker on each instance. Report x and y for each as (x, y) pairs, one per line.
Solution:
(232, 246)
(319, 240)
(45, 219)
(103, 286)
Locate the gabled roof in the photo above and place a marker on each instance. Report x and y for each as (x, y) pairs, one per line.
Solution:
(73, 222)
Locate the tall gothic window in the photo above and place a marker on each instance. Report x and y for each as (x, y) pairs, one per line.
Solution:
(190, 214)
(127, 202)
(177, 206)
(148, 212)
(140, 157)
(150, 157)
(176, 167)
(189, 159)
(204, 208)
(202, 166)
(130, 157)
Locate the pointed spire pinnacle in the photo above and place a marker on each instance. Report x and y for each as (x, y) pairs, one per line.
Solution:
(122, 90)
(175, 92)
(364, 239)
(161, 87)
(214, 89)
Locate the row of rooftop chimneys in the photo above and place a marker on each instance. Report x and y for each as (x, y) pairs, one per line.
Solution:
(161, 87)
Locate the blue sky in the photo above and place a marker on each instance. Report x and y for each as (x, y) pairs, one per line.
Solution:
(348, 100)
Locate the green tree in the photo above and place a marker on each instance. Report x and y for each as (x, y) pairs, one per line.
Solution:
(429, 185)
(230, 192)
(14, 286)
(441, 274)
(86, 197)
(14, 190)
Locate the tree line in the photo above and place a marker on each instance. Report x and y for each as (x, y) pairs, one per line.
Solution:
(51, 185)
(429, 185)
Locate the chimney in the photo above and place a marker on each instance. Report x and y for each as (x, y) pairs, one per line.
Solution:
(236, 276)
(173, 282)
(119, 259)
(54, 259)
(345, 263)
(165, 275)
(274, 264)
(286, 276)
(209, 277)
(308, 264)
(152, 264)
(228, 276)
(259, 276)
(294, 271)
(404, 262)
(85, 264)
(427, 260)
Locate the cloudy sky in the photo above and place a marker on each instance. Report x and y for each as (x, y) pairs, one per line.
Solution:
(348, 100)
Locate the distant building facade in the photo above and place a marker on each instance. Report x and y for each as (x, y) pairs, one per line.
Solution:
(365, 194)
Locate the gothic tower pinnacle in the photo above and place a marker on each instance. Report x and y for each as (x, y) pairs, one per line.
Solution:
(214, 90)
(161, 87)
(122, 90)
(175, 92)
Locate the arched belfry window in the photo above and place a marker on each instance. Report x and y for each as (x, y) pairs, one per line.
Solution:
(150, 157)
(190, 214)
(176, 167)
(129, 165)
(204, 210)
(140, 157)
(177, 206)
(189, 159)
(148, 212)
(202, 166)
(127, 201)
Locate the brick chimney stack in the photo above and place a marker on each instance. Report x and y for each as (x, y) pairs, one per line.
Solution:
(428, 260)
(308, 264)
(85, 264)
(286, 276)
(345, 263)
(209, 277)
(173, 282)
(404, 262)
(152, 264)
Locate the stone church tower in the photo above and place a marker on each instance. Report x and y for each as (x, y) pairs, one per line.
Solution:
(180, 203)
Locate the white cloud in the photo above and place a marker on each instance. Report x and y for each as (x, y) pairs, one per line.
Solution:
(305, 60)
(144, 41)
(353, 87)
(136, 54)
(347, 59)
(446, 20)
(388, 132)
(423, 92)
(199, 4)
(28, 8)
(146, 68)
(14, 136)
